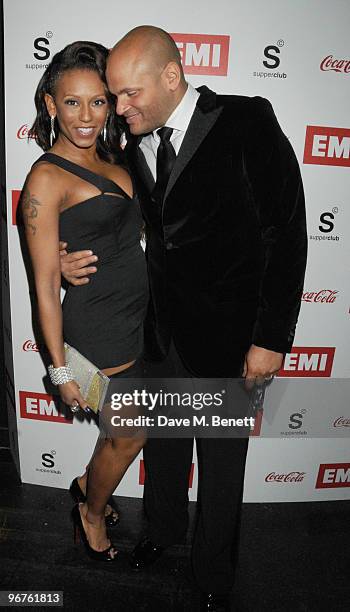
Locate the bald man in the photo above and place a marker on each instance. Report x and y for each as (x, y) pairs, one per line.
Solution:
(222, 198)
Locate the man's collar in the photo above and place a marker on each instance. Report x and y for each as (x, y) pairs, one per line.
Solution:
(181, 116)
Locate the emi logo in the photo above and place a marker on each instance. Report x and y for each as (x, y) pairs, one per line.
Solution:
(333, 475)
(327, 146)
(15, 198)
(40, 407)
(203, 53)
(308, 361)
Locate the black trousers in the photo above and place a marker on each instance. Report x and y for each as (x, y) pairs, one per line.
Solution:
(221, 464)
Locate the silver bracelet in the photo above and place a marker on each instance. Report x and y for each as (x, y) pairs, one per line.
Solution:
(61, 375)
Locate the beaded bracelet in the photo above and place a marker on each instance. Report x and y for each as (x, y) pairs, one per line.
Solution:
(61, 375)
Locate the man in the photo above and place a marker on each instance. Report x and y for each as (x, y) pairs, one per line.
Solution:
(222, 198)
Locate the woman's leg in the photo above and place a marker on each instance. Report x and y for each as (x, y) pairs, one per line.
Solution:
(82, 480)
(106, 470)
(135, 370)
(112, 456)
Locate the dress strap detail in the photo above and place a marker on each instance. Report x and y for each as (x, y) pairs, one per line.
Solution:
(102, 183)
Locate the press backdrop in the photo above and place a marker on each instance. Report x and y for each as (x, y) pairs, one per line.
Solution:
(296, 55)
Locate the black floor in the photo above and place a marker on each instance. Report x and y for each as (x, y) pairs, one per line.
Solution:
(293, 557)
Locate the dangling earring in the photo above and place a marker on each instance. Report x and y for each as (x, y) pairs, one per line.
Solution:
(104, 131)
(52, 133)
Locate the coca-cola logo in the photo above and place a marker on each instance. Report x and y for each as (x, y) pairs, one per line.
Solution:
(341, 422)
(338, 65)
(29, 345)
(24, 132)
(324, 296)
(290, 477)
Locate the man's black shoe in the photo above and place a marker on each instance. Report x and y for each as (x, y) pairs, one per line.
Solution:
(145, 554)
(212, 602)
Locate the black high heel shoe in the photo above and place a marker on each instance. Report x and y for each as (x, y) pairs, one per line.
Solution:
(79, 534)
(80, 498)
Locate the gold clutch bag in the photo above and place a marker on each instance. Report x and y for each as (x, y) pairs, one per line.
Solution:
(92, 382)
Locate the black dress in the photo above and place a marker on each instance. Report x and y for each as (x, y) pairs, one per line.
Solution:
(104, 318)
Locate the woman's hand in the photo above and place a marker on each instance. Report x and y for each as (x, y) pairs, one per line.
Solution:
(70, 394)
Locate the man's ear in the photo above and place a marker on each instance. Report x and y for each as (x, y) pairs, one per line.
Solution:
(50, 105)
(172, 74)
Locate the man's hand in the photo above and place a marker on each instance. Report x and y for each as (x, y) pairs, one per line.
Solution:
(76, 266)
(261, 364)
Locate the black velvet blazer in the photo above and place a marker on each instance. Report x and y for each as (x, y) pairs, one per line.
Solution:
(227, 251)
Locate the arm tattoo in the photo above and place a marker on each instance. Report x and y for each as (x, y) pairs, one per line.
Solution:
(30, 210)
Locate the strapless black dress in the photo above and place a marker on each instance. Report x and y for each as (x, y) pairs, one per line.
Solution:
(104, 318)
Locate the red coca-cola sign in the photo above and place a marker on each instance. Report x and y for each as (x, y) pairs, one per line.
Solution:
(290, 477)
(324, 296)
(29, 345)
(338, 65)
(24, 132)
(341, 422)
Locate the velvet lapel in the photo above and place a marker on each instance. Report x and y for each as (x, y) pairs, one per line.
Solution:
(203, 119)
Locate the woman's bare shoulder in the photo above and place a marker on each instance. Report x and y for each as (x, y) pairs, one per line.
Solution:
(45, 180)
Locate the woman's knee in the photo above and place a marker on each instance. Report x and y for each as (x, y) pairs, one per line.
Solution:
(128, 446)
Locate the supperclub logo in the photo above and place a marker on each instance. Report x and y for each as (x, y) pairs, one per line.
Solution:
(289, 477)
(203, 53)
(327, 220)
(48, 463)
(337, 65)
(272, 55)
(24, 133)
(341, 422)
(324, 296)
(327, 146)
(310, 361)
(41, 52)
(295, 424)
(333, 475)
(41, 407)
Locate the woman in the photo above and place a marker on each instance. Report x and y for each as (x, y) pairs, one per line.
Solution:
(76, 192)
